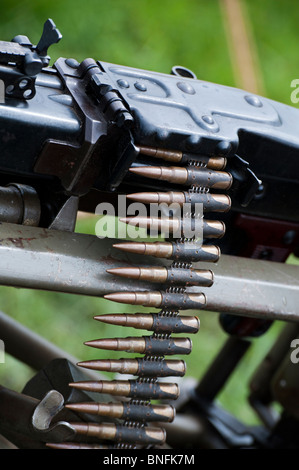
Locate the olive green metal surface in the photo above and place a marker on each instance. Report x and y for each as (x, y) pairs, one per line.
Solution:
(53, 260)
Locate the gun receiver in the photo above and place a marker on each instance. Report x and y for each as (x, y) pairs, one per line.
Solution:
(76, 134)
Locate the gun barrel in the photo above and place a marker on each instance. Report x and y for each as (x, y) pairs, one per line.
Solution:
(188, 176)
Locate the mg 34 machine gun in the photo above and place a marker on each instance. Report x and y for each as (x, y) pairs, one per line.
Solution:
(76, 135)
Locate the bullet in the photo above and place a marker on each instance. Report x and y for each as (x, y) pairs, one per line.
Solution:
(192, 252)
(176, 156)
(156, 274)
(128, 411)
(164, 154)
(210, 202)
(169, 197)
(187, 227)
(75, 445)
(136, 435)
(142, 367)
(149, 299)
(158, 323)
(138, 320)
(187, 251)
(169, 300)
(171, 275)
(189, 176)
(144, 345)
(131, 388)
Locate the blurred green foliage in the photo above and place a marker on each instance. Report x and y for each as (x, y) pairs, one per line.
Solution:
(275, 31)
(153, 35)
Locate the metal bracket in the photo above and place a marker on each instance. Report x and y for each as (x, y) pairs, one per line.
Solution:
(42, 417)
(26, 421)
(77, 263)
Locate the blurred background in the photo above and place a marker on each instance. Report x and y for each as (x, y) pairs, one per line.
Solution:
(242, 43)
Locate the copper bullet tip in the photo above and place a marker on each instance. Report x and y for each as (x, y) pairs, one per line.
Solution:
(88, 407)
(145, 298)
(132, 247)
(158, 249)
(148, 171)
(121, 297)
(146, 198)
(131, 272)
(112, 319)
(61, 445)
(164, 224)
(109, 344)
(127, 220)
(87, 385)
(172, 174)
(159, 197)
(146, 435)
(96, 365)
(74, 445)
(55, 445)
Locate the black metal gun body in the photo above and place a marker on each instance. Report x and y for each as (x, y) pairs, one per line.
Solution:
(83, 128)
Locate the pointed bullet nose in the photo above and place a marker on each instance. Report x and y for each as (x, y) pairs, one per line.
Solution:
(131, 272)
(155, 223)
(88, 385)
(80, 428)
(147, 171)
(74, 445)
(127, 220)
(60, 445)
(73, 407)
(121, 297)
(112, 319)
(146, 198)
(159, 197)
(96, 364)
(83, 407)
(145, 298)
(109, 344)
(131, 247)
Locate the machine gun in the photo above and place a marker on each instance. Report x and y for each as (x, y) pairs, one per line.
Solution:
(74, 136)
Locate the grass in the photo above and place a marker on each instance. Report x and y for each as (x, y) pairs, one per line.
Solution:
(153, 35)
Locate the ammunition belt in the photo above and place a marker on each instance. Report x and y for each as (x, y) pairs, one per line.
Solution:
(134, 412)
